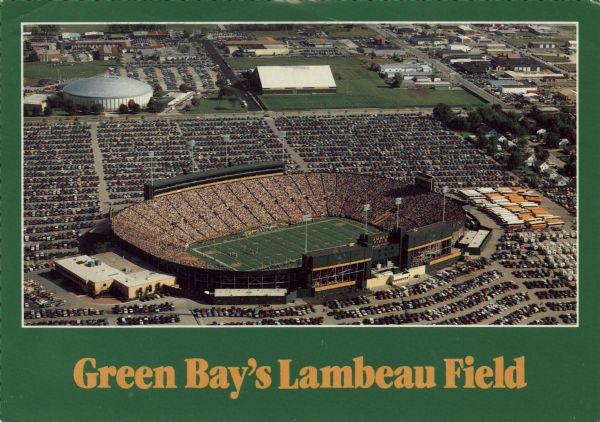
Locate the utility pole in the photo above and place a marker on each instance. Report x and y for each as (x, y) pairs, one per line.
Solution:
(306, 218)
(398, 203)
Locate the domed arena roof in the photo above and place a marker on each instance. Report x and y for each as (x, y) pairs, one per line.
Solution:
(107, 87)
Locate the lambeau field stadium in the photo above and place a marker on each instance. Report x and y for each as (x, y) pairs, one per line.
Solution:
(255, 234)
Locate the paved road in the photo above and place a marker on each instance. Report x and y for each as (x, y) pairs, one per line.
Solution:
(102, 186)
(447, 72)
(288, 148)
(253, 105)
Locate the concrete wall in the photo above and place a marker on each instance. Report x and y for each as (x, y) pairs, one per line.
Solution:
(110, 104)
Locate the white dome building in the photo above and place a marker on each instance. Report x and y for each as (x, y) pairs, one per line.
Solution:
(110, 91)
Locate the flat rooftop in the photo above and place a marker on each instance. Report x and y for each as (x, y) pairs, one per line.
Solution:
(95, 270)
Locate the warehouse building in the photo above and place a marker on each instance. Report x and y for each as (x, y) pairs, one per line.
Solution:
(110, 92)
(406, 70)
(294, 79)
(35, 104)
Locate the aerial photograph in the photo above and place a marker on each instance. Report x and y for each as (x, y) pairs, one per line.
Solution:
(317, 174)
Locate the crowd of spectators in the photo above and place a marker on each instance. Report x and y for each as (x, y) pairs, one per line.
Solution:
(60, 194)
(167, 225)
(390, 145)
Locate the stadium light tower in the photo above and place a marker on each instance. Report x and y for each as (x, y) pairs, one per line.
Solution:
(306, 218)
(444, 191)
(151, 155)
(192, 143)
(366, 209)
(398, 203)
(226, 139)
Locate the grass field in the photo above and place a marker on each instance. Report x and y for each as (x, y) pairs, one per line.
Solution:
(568, 67)
(357, 87)
(35, 71)
(553, 59)
(281, 247)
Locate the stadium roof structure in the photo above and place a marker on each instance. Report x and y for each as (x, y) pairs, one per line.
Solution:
(277, 77)
(107, 87)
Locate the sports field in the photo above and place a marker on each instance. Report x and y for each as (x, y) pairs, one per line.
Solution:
(357, 87)
(36, 71)
(277, 248)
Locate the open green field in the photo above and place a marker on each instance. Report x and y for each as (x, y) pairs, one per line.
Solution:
(357, 87)
(568, 67)
(282, 247)
(553, 58)
(35, 71)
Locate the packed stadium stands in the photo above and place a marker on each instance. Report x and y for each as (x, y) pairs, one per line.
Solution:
(167, 225)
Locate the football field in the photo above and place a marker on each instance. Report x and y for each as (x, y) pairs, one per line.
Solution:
(277, 248)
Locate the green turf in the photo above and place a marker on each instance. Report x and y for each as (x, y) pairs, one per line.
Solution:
(568, 67)
(357, 87)
(552, 58)
(35, 71)
(282, 247)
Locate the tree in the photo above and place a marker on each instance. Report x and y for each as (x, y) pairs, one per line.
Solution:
(552, 140)
(443, 113)
(97, 109)
(474, 119)
(135, 108)
(195, 101)
(158, 91)
(84, 109)
(184, 88)
(541, 153)
(515, 159)
(48, 110)
(123, 109)
(570, 168)
(397, 81)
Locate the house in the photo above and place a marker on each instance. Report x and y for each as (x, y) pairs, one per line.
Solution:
(531, 160)
(542, 44)
(542, 30)
(517, 64)
(109, 52)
